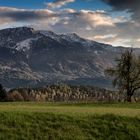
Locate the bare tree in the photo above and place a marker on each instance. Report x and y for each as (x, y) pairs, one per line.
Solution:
(126, 73)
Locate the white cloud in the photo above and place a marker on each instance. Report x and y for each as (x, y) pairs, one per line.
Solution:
(105, 36)
(58, 3)
(96, 18)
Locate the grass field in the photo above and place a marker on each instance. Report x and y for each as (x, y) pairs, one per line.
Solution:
(69, 121)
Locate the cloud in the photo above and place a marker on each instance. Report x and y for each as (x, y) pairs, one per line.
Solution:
(58, 3)
(129, 30)
(97, 25)
(97, 18)
(24, 14)
(83, 17)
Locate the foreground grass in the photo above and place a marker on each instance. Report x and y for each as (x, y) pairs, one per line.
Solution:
(55, 121)
(129, 110)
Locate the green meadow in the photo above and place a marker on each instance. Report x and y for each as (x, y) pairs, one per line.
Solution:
(69, 121)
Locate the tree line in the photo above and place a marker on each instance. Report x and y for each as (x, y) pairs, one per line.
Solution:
(63, 93)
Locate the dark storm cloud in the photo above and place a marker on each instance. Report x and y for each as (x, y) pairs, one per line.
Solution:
(132, 6)
(123, 4)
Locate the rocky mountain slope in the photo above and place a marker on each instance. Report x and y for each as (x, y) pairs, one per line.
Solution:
(35, 58)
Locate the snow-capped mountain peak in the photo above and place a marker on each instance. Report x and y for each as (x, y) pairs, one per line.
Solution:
(50, 34)
(71, 37)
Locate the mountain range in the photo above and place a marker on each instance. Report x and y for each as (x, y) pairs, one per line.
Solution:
(30, 58)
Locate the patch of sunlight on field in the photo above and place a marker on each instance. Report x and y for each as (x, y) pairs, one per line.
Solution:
(72, 109)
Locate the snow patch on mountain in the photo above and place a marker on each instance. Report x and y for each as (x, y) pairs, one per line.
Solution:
(25, 45)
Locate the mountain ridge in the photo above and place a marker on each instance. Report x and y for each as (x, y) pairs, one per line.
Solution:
(30, 57)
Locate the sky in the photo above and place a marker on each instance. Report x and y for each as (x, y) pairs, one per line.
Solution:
(115, 22)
